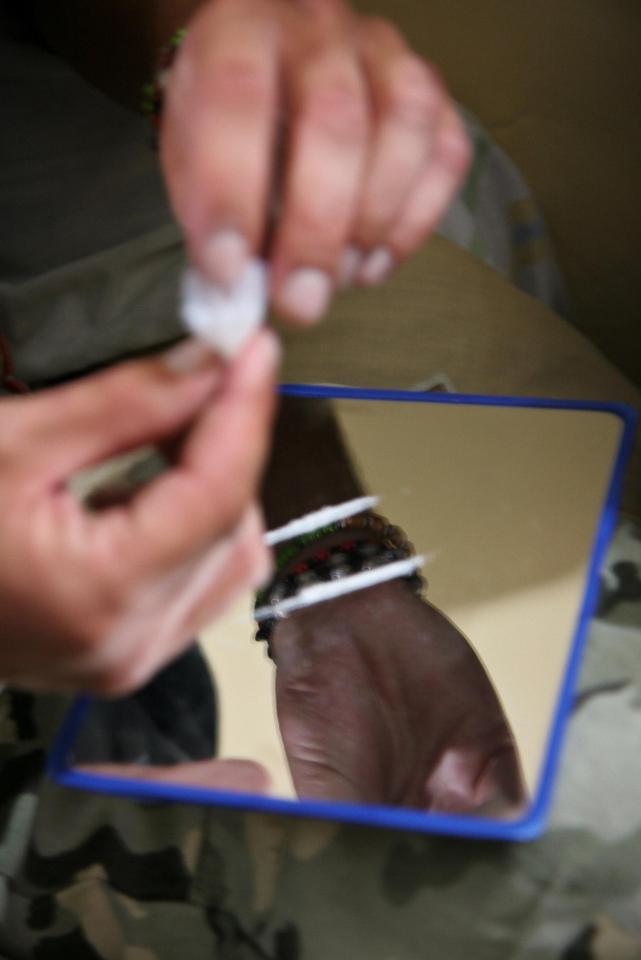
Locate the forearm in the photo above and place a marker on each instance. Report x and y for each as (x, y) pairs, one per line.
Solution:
(113, 43)
(309, 465)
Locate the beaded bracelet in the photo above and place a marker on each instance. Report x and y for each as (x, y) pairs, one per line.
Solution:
(369, 521)
(350, 556)
(153, 93)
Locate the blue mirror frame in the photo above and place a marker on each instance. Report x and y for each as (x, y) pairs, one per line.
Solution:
(532, 823)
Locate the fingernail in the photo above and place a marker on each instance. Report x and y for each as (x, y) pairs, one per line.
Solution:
(350, 263)
(306, 294)
(224, 256)
(188, 356)
(378, 264)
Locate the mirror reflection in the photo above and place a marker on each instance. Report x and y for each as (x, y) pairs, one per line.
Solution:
(432, 691)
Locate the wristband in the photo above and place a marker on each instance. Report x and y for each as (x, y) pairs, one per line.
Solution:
(370, 541)
(153, 93)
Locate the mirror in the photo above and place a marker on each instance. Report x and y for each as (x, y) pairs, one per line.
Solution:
(435, 697)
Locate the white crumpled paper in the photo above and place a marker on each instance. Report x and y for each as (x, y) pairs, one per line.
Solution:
(225, 318)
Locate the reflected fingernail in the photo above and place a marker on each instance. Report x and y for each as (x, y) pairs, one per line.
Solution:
(306, 294)
(224, 256)
(350, 263)
(377, 266)
(188, 356)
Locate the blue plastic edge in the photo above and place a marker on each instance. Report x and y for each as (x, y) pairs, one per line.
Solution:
(533, 822)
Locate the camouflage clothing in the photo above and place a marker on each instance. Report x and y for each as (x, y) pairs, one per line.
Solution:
(92, 877)
(84, 876)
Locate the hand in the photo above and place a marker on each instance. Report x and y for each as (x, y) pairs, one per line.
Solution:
(100, 601)
(381, 700)
(372, 153)
(243, 776)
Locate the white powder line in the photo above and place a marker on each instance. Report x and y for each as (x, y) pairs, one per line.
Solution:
(320, 592)
(319, 518)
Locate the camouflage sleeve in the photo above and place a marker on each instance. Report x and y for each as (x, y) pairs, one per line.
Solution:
(92, 877)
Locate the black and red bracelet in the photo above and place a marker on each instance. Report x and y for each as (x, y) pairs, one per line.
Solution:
(370, 541)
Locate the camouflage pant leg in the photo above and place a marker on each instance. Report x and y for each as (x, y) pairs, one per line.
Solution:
(90, 877)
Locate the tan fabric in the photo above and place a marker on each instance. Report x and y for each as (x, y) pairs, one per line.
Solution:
(446, 312)
(558, 85)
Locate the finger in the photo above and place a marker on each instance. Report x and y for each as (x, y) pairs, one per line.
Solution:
(204, 496)
(407, 99)
(245, 776)
(217, 135)
(164, 615)
(326, 153)
(436, 188)
(192, 596)
(110, 412)
(468, 780)
(246, 565)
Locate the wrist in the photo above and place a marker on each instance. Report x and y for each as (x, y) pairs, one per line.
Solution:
(351, 547)
(309, 465)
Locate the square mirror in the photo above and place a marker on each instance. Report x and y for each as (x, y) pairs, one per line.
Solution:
(433, 701)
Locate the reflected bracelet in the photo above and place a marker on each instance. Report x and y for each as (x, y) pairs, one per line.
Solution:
(371, 543)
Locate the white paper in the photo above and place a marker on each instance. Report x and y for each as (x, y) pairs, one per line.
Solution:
(225, 318)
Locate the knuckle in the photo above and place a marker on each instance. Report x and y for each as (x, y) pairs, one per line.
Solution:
(379, 30)
(337, 108)
(118, 391)
(413, 96)
(240, 82)
(318, 221)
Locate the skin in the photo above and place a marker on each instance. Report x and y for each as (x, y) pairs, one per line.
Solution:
(382, 700)
(370, 148)
(100, 601)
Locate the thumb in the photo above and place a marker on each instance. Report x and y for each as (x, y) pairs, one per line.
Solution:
(116, 410)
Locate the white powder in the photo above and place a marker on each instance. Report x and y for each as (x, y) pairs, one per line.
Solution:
(319, 518)
(321, 592)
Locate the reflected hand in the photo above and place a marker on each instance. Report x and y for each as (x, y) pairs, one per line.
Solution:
(381, 700)
(244, 776)
(373, 153)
